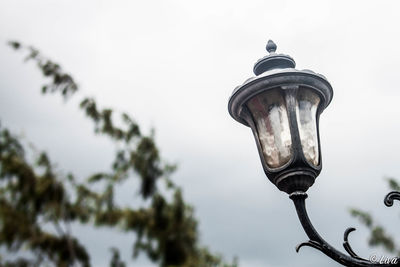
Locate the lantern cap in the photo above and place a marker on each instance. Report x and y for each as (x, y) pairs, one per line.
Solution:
(276, 70)
(273, 60)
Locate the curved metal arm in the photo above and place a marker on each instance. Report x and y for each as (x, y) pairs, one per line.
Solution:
(316, 241)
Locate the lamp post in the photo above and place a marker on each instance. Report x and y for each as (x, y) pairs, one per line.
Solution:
(282, 106)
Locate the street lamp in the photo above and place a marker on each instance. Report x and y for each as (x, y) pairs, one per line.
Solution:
(282, 106)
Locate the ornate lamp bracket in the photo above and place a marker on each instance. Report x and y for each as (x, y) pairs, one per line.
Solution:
(317, 242)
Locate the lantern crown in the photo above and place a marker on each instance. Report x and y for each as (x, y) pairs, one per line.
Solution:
(273, 60)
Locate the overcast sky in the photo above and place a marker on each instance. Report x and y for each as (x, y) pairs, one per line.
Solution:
(173, 65)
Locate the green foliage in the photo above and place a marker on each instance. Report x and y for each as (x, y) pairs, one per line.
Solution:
(60, 81)
(34, 197)
(30, 199)
(378, 235)
(363, 216)
(393, 184)
(116, 260)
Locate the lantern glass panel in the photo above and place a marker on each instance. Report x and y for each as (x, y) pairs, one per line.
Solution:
(306, 113)
(270, 116)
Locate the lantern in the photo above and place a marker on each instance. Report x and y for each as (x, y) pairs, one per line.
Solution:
(282, 106)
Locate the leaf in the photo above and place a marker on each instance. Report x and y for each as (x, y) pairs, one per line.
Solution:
(364, 217)
(14, 44)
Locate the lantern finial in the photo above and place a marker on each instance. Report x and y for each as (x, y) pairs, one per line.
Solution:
(273, 60)
(271, 46)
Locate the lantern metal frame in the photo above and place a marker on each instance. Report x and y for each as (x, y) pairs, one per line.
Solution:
(288, 80)
(277, 71)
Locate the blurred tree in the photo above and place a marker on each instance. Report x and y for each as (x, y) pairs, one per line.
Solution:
(378, 235)
(35, 196)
